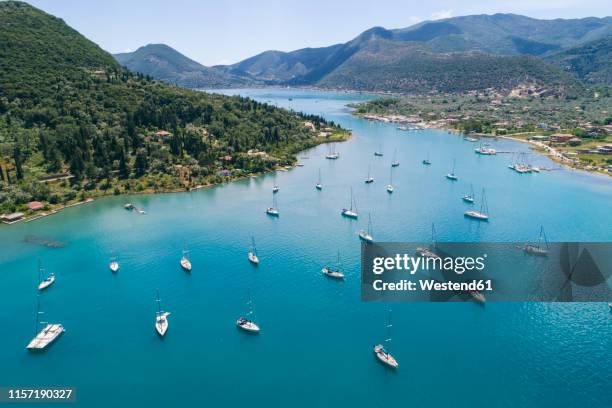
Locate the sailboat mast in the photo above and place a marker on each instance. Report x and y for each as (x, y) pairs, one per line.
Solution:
(158, 303)
(388, 339)
(37, 322)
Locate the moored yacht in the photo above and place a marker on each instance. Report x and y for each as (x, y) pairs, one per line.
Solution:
(247, 323)
(47, 335)
(185, 262)
(350, 212)
(114, 265)
(253, 258)
(161, 318)
(481, 215)
(334, 271)
(366, 235)
(452, 176)
(273, 211)
(540, 248)
(332, 154)
(390, 188)
(275, 189)
(469, 198)
(379, 152)
(382, 351)
(369, 179)
(395, 162)
(319, 186)
(44, 281)
(426, 162)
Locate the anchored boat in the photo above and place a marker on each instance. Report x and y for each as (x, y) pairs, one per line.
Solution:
(334, 271)
(185, 262)
(332, 154)
(273, 211)
(452, 176)
(246, 323)
(366, 235)
(369, 179)
(383, 352)
(350, 212)
(44, 281)
(540, 248)
(469, 198)
(319, 186)
(379, 152)
(426, 162)
(253, 253)
(483, 214)
(47, 335)
(161, 318)
(395, 163)
(390, 188)
(114, 265)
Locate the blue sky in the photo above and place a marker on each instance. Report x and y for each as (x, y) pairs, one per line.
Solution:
(221, 32)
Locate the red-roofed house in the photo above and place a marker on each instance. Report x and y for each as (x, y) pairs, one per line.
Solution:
(35, 206)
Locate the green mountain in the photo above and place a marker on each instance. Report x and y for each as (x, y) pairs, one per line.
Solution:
(411, 59)
(165, 63)
(591, 62)
(69, 110)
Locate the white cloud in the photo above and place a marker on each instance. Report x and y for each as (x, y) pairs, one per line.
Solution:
(128, 50)
(440, 14)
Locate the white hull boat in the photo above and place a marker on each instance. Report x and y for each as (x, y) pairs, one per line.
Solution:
(349, 213)
(365, 236)
(247, 325)
(44, 284)
(327, 271)
(272, 211)
(476, 215)
(161, 323)
(46, 336)
(114, 266)
(253, 258)
(385, 357)
(186, 264)
(390, 188)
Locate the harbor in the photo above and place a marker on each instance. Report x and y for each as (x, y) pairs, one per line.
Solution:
(317, 324)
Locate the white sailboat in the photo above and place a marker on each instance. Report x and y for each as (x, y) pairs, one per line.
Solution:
(540, 248)
(161, 318)
(185, 262)
(350, 212)
(253, 254)
(275, 189)
(428, 252)
(383, 352)
(483, 214)
(47, 335)
(395, 162)
(319, 186)
(366, 235)
(273, 211)
(390, 188)
(332, 154)
(369, 179)
(452, 176)
(247, 323)
(469, 198)
(44, 281)
(114, 264)
(333, 271)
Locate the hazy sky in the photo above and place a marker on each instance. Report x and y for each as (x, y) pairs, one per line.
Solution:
(221, 32)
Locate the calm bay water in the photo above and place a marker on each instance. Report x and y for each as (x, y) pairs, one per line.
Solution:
(315, 348)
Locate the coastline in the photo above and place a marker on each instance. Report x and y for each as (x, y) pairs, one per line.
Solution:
(338, 138)
(539, 147)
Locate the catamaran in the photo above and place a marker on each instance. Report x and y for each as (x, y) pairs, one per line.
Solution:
(185, 262)
(427, 252)
(350, 212)
(273, 211)
(366, 235)
(44, 281)
(161, 318)
(395, 163)
(319, 186)
(49, 333)
(369, 179)
(383, 351)
(246, 323)
(540, 248)
(451, 175)
(483, 214)
(253, 253)
(114, 265)
(390, 188)
(332, 154)
(469, 198)
(334, 272)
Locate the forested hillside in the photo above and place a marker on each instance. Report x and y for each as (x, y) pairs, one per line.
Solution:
(68, 109)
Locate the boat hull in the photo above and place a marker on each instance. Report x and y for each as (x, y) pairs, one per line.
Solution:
(332, 274)
(161, 324)
(253, 259)
(186, 265)
(364, 236)
(476, 216)
(385, 358)
(114, 266)
(248, 326)
(349, 214)
(272, 212)
(45, 337)
(46, 283)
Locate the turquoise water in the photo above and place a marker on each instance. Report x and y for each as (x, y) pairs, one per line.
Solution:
(315, 348)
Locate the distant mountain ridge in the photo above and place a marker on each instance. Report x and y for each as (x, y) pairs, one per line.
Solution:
(591, 62)
(476, 52)
(165, 63)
